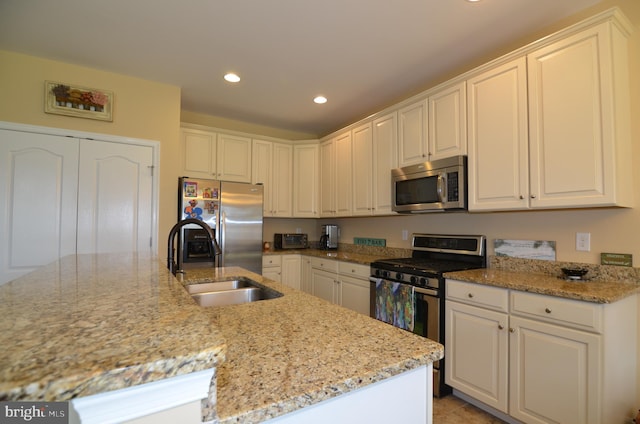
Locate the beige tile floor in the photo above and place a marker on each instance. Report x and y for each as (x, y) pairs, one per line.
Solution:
(453, 410)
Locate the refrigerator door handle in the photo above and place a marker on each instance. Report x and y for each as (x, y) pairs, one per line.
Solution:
(223, 231)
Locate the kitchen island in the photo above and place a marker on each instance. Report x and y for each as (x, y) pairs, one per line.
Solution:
(91, 324)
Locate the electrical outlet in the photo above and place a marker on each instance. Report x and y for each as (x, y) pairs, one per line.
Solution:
(298, 230)
(405, 235)
(583, 242)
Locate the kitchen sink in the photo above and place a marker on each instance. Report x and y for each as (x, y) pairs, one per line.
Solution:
(231, 291)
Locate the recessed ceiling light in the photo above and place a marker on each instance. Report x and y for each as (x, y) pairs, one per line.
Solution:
(231, 77)
(320, 100)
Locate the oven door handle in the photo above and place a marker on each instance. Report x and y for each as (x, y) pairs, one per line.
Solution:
(420, 290)
(429, 292)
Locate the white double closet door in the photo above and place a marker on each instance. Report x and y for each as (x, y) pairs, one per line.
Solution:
(61, 195)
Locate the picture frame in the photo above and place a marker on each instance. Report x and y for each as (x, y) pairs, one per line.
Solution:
(80, 102)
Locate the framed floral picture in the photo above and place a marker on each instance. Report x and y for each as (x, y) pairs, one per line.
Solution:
(81, 102)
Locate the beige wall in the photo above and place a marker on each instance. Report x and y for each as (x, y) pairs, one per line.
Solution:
(142, 109)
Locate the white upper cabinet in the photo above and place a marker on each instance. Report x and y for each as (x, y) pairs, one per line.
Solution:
(412, 140)
(214, 155)
(497, 133)
(578, 134)
(448, 121)
(306, 180)
(272, 166)
(385, 148)
(328, 178)
(335, 176)
(343, 189)
(552, 129)
(362, 143)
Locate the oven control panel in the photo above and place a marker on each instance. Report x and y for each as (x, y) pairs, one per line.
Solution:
(399, 277)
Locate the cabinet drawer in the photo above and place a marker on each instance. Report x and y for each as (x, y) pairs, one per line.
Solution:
(478, 295)
(566, 312)
(325, 264)
(355, 270)
(271, 260)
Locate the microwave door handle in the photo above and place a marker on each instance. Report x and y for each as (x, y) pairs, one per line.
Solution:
(440, 188)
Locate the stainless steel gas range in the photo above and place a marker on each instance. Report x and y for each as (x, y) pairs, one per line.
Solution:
(409, 292)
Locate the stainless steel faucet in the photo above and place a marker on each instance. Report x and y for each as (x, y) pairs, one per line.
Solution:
(215, 247)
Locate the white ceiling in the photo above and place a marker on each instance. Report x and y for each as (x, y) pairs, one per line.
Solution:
(361, 54)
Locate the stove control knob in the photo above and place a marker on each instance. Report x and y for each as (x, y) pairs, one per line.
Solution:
(385, 274)
(423, 282)
(414, 279)
(377, 272)
(399, 276)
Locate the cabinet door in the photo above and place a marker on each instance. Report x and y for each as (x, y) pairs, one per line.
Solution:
(39, 175)
(234, 158)
(412, 143)
(554, 373)
(282, 180)
(323, 284)
(476, 351)
(343, 178)
(198, 153)
(497, 138)
(448, 122)
(362, 164)
(306, 275)
(272, 273)
(291, 271)
(305, 180)
(355, 294)
(327, 178)
(261, 172)
(385, 158)
(115, 197)
(572, 127)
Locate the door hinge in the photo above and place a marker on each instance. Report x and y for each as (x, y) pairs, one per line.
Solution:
(151, 167)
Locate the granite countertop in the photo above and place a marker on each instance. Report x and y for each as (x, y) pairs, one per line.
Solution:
(341, 255)
(298, 350)
(88, 324)
(597, 291)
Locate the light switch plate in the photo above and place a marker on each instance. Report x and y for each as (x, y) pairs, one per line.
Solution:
(583, 242)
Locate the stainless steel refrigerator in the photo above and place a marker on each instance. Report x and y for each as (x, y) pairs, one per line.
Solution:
(234, 213)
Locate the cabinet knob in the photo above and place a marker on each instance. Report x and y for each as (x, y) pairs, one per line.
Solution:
(521, 197)
(500, 327)
(533, 196)
(547, 310)
(512, 330)
(470, 295)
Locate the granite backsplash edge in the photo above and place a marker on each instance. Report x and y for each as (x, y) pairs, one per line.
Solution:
(554, 268)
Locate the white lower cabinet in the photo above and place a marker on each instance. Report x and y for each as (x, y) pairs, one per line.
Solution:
(355, 286)
(291, 271)
(305, 279)
(342, 283)
(272, 267)
(324, 279)
(285, 269)
(540, 358)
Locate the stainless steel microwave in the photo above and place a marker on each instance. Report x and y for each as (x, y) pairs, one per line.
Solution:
(439, 185)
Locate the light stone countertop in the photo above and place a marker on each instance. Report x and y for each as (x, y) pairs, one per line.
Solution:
(298, 350)
(358, 257)
(88, 324)
(597, 291)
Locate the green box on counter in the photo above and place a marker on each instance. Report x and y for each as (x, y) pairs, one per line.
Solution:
(365, 241)
(619, 259)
